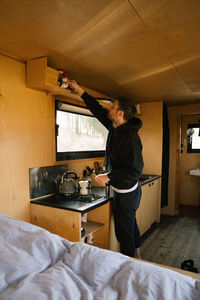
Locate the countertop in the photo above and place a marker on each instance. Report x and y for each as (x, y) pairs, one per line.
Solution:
(146, 178)
(78, 206)
(83, 207)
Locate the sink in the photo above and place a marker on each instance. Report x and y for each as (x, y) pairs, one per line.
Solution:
(195, 172)
(145, 178)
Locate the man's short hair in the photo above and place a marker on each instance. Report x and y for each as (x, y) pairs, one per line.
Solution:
(128, 107)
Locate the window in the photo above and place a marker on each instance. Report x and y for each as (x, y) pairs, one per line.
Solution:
(193, 138)
(78, 133)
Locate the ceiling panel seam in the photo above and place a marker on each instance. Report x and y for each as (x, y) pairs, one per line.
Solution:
(179, 74)
(156, 36)
(139, 16)
(160, 41)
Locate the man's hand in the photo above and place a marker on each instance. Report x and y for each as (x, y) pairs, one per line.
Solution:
(76, 89)
(102, 178)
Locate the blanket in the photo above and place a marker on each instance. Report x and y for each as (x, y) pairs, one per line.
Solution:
(35, 264)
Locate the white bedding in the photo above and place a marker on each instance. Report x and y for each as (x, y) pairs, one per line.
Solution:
(35, 264)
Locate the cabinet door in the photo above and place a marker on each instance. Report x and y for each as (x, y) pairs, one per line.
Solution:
(154, 190)
(63, 222)
(149, 205)
(144, 210)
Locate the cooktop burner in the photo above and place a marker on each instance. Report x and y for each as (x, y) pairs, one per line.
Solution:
(83, 198)
(89, 197)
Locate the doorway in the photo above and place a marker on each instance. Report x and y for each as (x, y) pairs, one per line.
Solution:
(189, 186)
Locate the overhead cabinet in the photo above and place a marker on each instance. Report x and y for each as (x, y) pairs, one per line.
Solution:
(44, 78)
(41, 77)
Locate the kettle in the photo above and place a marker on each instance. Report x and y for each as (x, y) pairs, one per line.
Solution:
(68, 185)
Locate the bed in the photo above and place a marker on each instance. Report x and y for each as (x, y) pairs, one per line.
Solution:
(35, 264)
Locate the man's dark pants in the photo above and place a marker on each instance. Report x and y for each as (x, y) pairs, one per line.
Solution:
(124, 207)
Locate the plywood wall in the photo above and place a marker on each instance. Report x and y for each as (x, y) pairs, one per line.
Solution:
(151, 136)
(27, 137)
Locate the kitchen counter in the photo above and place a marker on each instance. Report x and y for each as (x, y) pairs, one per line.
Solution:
(146, 178)
(64, 217)
(84, 207)
(77, 206)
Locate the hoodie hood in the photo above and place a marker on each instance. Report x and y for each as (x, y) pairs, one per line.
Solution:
(133, 123)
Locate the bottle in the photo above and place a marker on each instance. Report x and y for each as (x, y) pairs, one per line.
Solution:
(107, 189)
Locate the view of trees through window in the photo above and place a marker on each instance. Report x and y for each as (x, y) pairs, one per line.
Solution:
(79, 133)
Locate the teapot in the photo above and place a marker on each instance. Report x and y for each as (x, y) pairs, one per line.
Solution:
(68, 185)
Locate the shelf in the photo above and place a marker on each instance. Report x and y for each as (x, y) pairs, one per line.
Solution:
(43, 78)
(58, 91)
(91, 227)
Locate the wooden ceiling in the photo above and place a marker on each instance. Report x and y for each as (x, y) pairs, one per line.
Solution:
(145, 49)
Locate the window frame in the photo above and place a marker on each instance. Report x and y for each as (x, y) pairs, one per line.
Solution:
(189, 145)
(61, 156)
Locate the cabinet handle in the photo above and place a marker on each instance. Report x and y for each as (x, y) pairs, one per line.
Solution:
(149, 184)
(152, 183)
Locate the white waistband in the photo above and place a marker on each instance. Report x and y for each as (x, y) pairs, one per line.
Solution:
(123, 191)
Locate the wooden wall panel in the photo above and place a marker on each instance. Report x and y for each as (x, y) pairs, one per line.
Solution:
(151, 136)
(79, 165)
(26, 137)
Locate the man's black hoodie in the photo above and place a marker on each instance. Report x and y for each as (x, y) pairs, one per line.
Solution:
(124, 160)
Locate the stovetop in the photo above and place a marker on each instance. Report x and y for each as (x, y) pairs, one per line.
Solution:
(83, 198)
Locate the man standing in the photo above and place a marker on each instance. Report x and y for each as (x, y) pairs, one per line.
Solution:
(124, 164)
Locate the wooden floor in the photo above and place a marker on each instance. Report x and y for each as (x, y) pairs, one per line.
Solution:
(174, 239)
